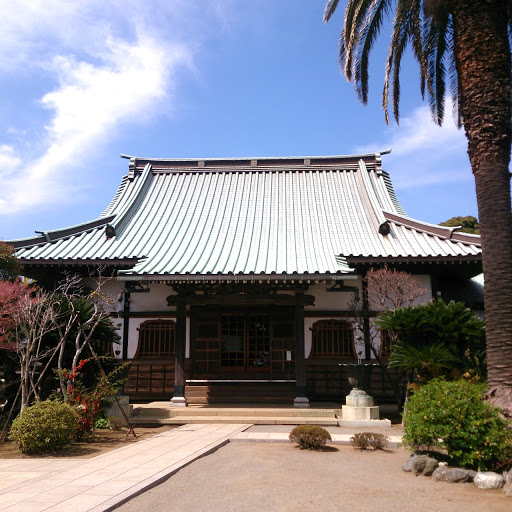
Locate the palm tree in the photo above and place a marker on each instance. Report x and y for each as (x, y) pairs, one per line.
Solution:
(464, 42)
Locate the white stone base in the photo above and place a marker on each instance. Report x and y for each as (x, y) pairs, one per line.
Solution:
(365, 423)
(113, 410)
(349, 413)
(301, 401)
(178, 401)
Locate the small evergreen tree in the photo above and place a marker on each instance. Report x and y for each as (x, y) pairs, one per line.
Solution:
(436, 338)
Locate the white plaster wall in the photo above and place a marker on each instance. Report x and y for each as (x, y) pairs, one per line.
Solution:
(155, 300)
(425, 282)
(332, 301)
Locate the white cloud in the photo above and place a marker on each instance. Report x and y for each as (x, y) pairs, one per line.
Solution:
(424, 153)
(9, 160)
(108, 69)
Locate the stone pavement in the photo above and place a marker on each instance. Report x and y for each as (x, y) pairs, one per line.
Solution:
(105, 481)
(101, 483)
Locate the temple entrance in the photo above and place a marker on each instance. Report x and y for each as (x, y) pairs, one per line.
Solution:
(242, 344)
(245, 344)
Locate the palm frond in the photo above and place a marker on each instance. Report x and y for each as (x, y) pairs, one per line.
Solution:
(509, 14)
(399, 39)
(454, 86)
(437, 43)
(354, 23)
(330, 7)
(368, 35)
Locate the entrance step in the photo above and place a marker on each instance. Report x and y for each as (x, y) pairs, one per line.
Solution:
(241, 392)
(276, 420)
(163, 413)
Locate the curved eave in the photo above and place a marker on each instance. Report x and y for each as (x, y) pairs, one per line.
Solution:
(54, 236)
(293, 277)
(448, 233)
(125, 263)
(469, 258)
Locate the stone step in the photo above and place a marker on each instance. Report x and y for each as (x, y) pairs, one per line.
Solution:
(255, 420)
(173, 412)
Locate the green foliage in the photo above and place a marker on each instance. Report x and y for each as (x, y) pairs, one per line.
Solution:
(436, 337)
(310, 437)
(429, 361)
(44, 427)
(102, 423)
(453, 416)
(469, 224)
(365, 440)
(9, 265)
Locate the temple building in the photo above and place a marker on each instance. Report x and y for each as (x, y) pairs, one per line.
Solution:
(235, 278)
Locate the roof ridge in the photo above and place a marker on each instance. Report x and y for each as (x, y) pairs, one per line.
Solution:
(375, 155)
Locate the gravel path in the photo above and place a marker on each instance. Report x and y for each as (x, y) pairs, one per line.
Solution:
(272, 477)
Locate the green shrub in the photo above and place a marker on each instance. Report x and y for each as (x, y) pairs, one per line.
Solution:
(454, 417)
(44, 427)
(365, 440)
(101, 423)
(436, 339)
(309, 437)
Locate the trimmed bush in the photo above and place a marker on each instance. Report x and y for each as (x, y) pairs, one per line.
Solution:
(366, 440)
(44, 427)
(310, 437)
(453, 416)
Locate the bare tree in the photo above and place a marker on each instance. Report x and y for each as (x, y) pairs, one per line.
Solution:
(390, 289)
(86, 313)
(38, 314)
(386, 290)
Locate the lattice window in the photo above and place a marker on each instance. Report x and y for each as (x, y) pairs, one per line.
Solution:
(386, 344)
(333, 339)
(157, 338)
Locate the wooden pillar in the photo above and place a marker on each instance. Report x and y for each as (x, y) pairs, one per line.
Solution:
(126, 322)
(366, 320)
(179, 398)
(301, 399)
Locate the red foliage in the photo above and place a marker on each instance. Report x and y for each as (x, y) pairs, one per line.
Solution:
(12, 295)
(87, 403)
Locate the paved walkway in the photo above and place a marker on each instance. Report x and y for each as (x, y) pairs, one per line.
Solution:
(100, 483)
(105, 481)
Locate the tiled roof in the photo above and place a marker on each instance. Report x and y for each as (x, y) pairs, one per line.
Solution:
(283, 216)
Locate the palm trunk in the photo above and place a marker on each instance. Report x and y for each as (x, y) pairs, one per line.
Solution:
(482, 55)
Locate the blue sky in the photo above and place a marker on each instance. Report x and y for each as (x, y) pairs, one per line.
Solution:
(84, 82)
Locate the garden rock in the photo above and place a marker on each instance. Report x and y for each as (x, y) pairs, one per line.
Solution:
(488, 480)
(407, 465)
(453, 475)
(424, 465)
(507, 488)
